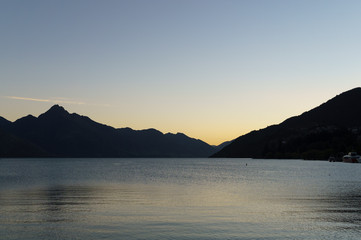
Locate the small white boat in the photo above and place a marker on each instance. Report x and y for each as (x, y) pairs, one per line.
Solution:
(351, 157)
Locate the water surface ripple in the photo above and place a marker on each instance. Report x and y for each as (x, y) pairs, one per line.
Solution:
(179, 199)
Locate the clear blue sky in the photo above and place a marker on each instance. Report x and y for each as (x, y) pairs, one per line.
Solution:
(213, 70)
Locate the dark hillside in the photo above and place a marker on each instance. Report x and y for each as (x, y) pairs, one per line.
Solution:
(333, 128)
(61, 134)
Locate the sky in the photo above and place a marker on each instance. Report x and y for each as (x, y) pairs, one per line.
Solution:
(214, 70)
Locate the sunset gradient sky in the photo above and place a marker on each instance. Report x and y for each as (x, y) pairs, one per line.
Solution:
(213, 70)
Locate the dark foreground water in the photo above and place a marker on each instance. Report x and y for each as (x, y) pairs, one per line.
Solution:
(179, 199)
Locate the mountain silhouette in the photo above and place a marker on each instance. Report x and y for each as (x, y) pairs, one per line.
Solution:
(4, 122)
(330, 129)
(11, 146)
(57, 133)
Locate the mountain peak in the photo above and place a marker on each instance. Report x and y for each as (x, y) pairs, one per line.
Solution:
(55, 110)
(61, 134)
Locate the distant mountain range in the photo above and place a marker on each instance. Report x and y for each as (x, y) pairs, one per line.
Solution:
(57, 133)
(332, 129)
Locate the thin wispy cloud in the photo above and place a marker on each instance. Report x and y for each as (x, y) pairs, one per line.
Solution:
(27, 99)
(55, 101)
(62, 100)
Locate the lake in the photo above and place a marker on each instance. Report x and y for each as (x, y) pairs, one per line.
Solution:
(179, 199)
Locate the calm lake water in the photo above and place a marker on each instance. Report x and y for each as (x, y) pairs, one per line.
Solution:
(179, 199)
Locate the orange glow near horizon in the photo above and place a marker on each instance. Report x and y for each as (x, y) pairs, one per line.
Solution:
(208, 122)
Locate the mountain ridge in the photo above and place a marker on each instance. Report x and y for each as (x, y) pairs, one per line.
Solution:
(61, 134)
(332, 128)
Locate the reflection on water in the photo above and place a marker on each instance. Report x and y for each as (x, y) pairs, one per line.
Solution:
(178, 199)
